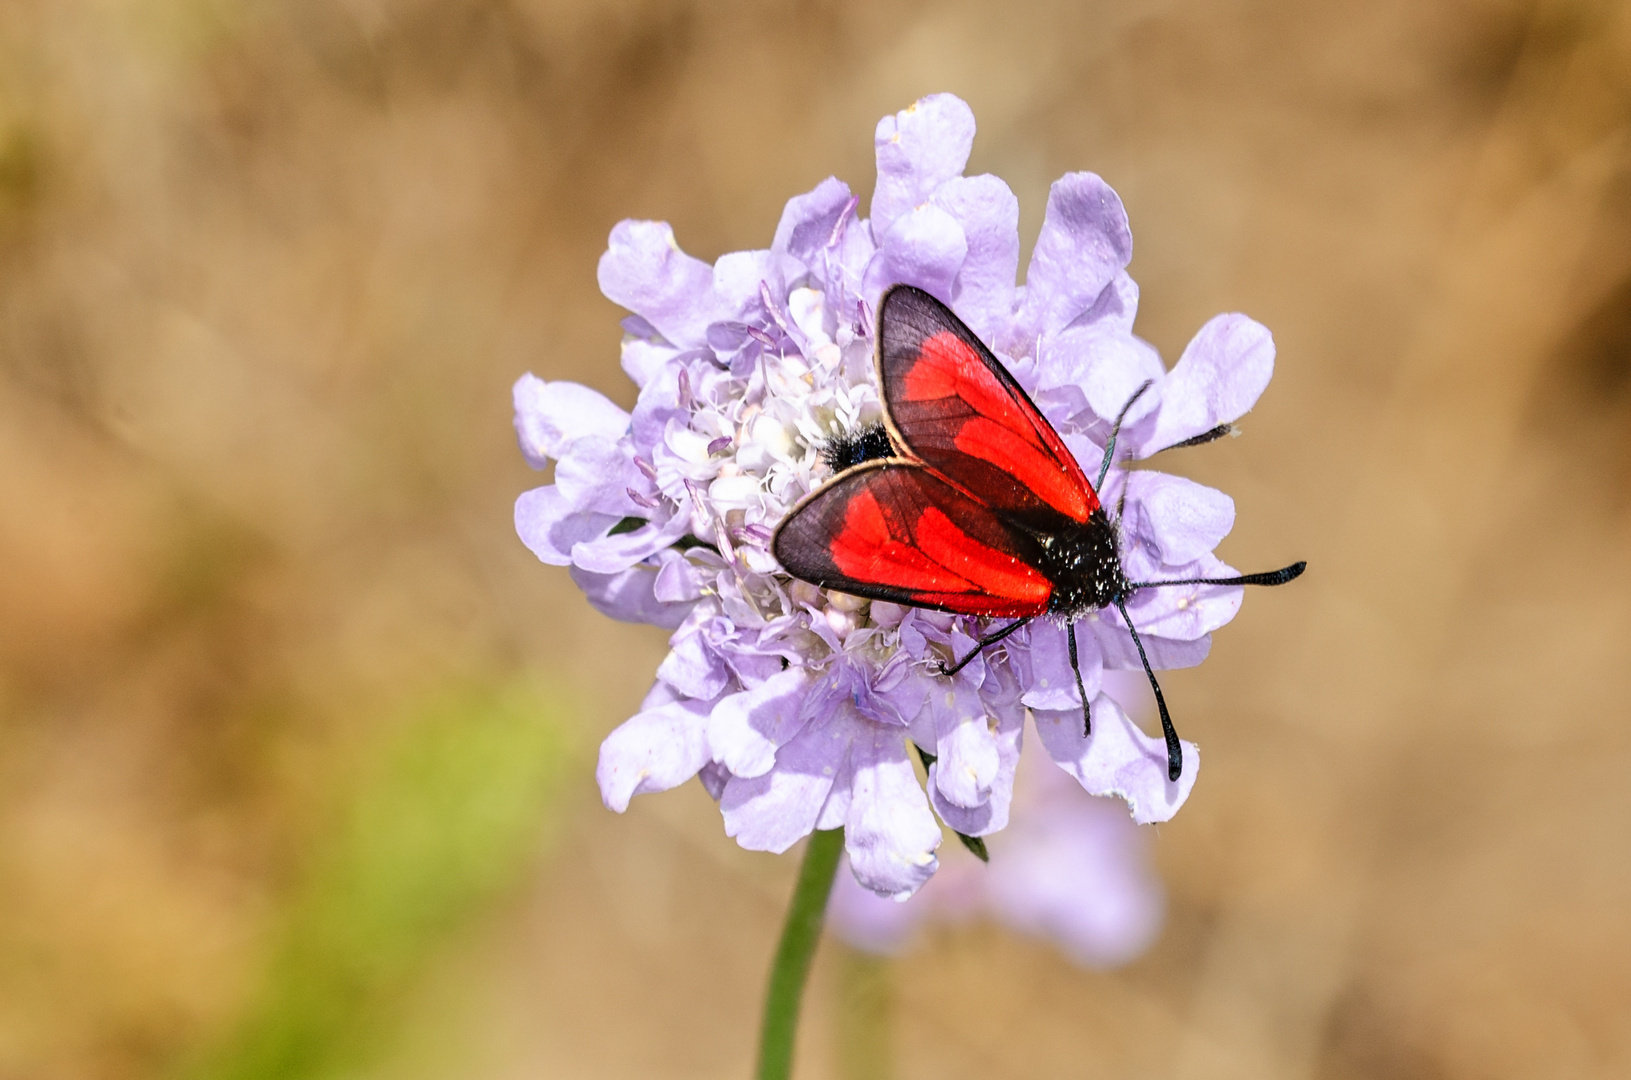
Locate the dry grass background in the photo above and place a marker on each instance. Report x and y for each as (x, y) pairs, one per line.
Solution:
(267, 271)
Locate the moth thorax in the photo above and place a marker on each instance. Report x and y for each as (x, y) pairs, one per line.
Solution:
(1084, 566)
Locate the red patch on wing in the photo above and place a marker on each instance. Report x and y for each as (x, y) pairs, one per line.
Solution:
(993, 572)
(948, 366)
(899, 532)
(959, 411)
(867, 551)
(1028, 464)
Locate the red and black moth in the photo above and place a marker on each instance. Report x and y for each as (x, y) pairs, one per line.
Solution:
(972, 504)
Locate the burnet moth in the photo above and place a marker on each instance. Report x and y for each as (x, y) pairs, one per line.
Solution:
(968, 501)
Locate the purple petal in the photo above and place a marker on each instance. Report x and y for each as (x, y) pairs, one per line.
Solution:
(657, 405)
(691, 666)
(678, 579)
(1181, 520)
(552, 528)
(810, 221)
(661, 747)
(597, 474)
(1164, 653)
(549, 416)
(988, 214)
(1186, 612)
(833, 692)
(645, 271)
(925, 247)
(739, 280)
(1115, 309)
(752, 666)
(836, 811)
(902, 688)
(1104, 369)
(991, 814)
(714, 777)
(628, 596)
(891, 834)
(609, 554)
(1053, 683)
(747, 729)
(881, 706)
(1118, 759)
(1085, 242)
(774, 811)
(967, 748)
(642, 358)
(1004, 689)
(918, 149)
(846, 269)
(1222, 373)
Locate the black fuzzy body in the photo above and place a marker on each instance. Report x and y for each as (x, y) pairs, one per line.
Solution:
(1084, 565)
(852, 448)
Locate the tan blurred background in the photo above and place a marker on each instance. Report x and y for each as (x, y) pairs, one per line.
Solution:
(296, 740)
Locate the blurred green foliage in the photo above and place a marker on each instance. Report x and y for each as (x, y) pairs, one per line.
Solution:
(449, 814)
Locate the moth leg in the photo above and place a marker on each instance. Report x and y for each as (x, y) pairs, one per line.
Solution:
(1175, 750)
(1076, 668)
(989, 639)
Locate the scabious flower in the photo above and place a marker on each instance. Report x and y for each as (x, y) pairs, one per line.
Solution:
(794, 705)
(1071, 869)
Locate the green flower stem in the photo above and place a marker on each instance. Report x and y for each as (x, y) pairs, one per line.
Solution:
(800, 935)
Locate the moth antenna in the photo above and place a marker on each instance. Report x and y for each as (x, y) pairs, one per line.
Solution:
(1267, 577)
(1115, 430)
(1175, 750)
(1076, 668)
(989, 639)
(1202, 439)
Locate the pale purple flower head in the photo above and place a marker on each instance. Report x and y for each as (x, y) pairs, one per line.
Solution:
(794, 705)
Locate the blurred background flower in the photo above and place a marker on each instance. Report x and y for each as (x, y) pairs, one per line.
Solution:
(267, 272)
